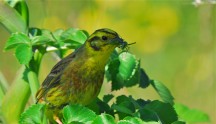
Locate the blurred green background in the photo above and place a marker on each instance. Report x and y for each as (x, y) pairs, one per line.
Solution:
(175, 40)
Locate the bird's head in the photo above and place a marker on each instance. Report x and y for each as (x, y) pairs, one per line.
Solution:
(105, 40)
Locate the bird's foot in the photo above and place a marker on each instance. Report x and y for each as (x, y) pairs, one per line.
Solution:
(57, 120)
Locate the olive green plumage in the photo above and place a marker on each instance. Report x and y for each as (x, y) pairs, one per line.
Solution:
(77, 79)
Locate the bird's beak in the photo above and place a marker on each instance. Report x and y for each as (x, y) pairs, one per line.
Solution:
(118, 41)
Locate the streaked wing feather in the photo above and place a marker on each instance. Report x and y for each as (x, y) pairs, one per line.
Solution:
(53, 79)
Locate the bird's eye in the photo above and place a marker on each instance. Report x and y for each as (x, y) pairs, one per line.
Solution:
(104, 38)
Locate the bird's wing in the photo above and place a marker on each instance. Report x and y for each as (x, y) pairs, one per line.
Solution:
(53, 79)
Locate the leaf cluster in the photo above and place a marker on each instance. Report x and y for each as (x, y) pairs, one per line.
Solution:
(43, 40)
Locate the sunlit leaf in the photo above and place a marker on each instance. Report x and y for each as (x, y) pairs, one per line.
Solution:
(24, 53)
(124, 71)
(71, 44)
(128, 63)
(191, 115)
(85, 32)
(33, 115)
(133, 120)
(16, 39)
(48, 34)
(163, 91)
(151, 122)
(104, 119)
(40, 40)
(74, 35)
(124, 122)
(77, 113)
(43, 37)
(57, 34)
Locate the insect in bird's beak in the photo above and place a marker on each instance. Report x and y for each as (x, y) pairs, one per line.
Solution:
(125, 46)
(122, 43)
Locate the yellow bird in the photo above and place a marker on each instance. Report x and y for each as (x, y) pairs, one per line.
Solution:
(77, 78)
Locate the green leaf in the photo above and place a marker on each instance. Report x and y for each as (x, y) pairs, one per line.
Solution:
(66, 38)
(33, 115)
(25, 74)
(48, 34)
(24, 53)
(43, 37)
(35, 31)
(99, 106)
(147, 115)
(71, 44)
(191, 115)
(124, 106)
(142, 102)
(113, 71)
(114, 55)
(151, 122)
(144, 79)
(163, 91)
(127, 64)
(40, 40)
(107, 98)
(122, 98)
(133, 120)
(16, 39)
(74, 35)
(178, 122)
(104, 119)
(124, 122)
(124, 71)
(72, 38)
(85, 32)
(77, 113)
(104, 107)
(163, 112)
(57, 34)
(136, 103)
